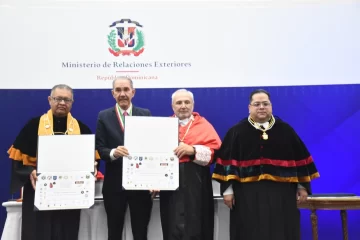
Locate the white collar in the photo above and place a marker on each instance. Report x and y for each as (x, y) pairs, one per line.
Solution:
(127, 110)
(185, 121)
(265, 124)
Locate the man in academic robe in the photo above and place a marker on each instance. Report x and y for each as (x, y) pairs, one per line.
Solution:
(110, 145)
(44, 225)
(264, 169)
(188, 213)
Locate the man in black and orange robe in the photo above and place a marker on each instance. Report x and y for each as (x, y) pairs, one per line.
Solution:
(265, 170)
(188, 213)
(44, 225)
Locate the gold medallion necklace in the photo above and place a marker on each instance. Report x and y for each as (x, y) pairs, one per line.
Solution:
(48, 125)
(187, 130)
(265, 136)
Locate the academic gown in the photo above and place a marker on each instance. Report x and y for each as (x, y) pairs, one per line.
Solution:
(264, 175)
(41, 225)
(188, 212)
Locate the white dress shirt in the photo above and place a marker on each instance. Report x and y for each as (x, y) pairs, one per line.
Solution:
(122, 112)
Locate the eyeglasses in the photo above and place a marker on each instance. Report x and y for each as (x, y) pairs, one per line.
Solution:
(258, 104)
(60, 99)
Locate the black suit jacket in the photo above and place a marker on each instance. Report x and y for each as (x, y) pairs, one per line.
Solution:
(109, 135)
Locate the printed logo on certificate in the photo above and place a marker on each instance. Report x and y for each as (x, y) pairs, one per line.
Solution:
(145, 172)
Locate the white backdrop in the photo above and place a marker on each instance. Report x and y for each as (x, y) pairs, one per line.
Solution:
(188, 44)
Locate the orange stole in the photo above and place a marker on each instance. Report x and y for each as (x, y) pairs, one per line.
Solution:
(16, 155)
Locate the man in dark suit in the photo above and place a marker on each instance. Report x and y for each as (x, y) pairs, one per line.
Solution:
(110, 145)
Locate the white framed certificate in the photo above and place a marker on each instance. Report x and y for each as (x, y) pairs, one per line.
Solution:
(65, 169)
(151, 164)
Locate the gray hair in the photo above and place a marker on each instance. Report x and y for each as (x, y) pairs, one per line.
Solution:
(182, 90)
(62, 86)
(123, 78)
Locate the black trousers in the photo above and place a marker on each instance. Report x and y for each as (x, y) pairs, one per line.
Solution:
(140, 205)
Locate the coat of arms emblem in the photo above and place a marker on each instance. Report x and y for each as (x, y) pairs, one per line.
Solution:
(126, 38)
